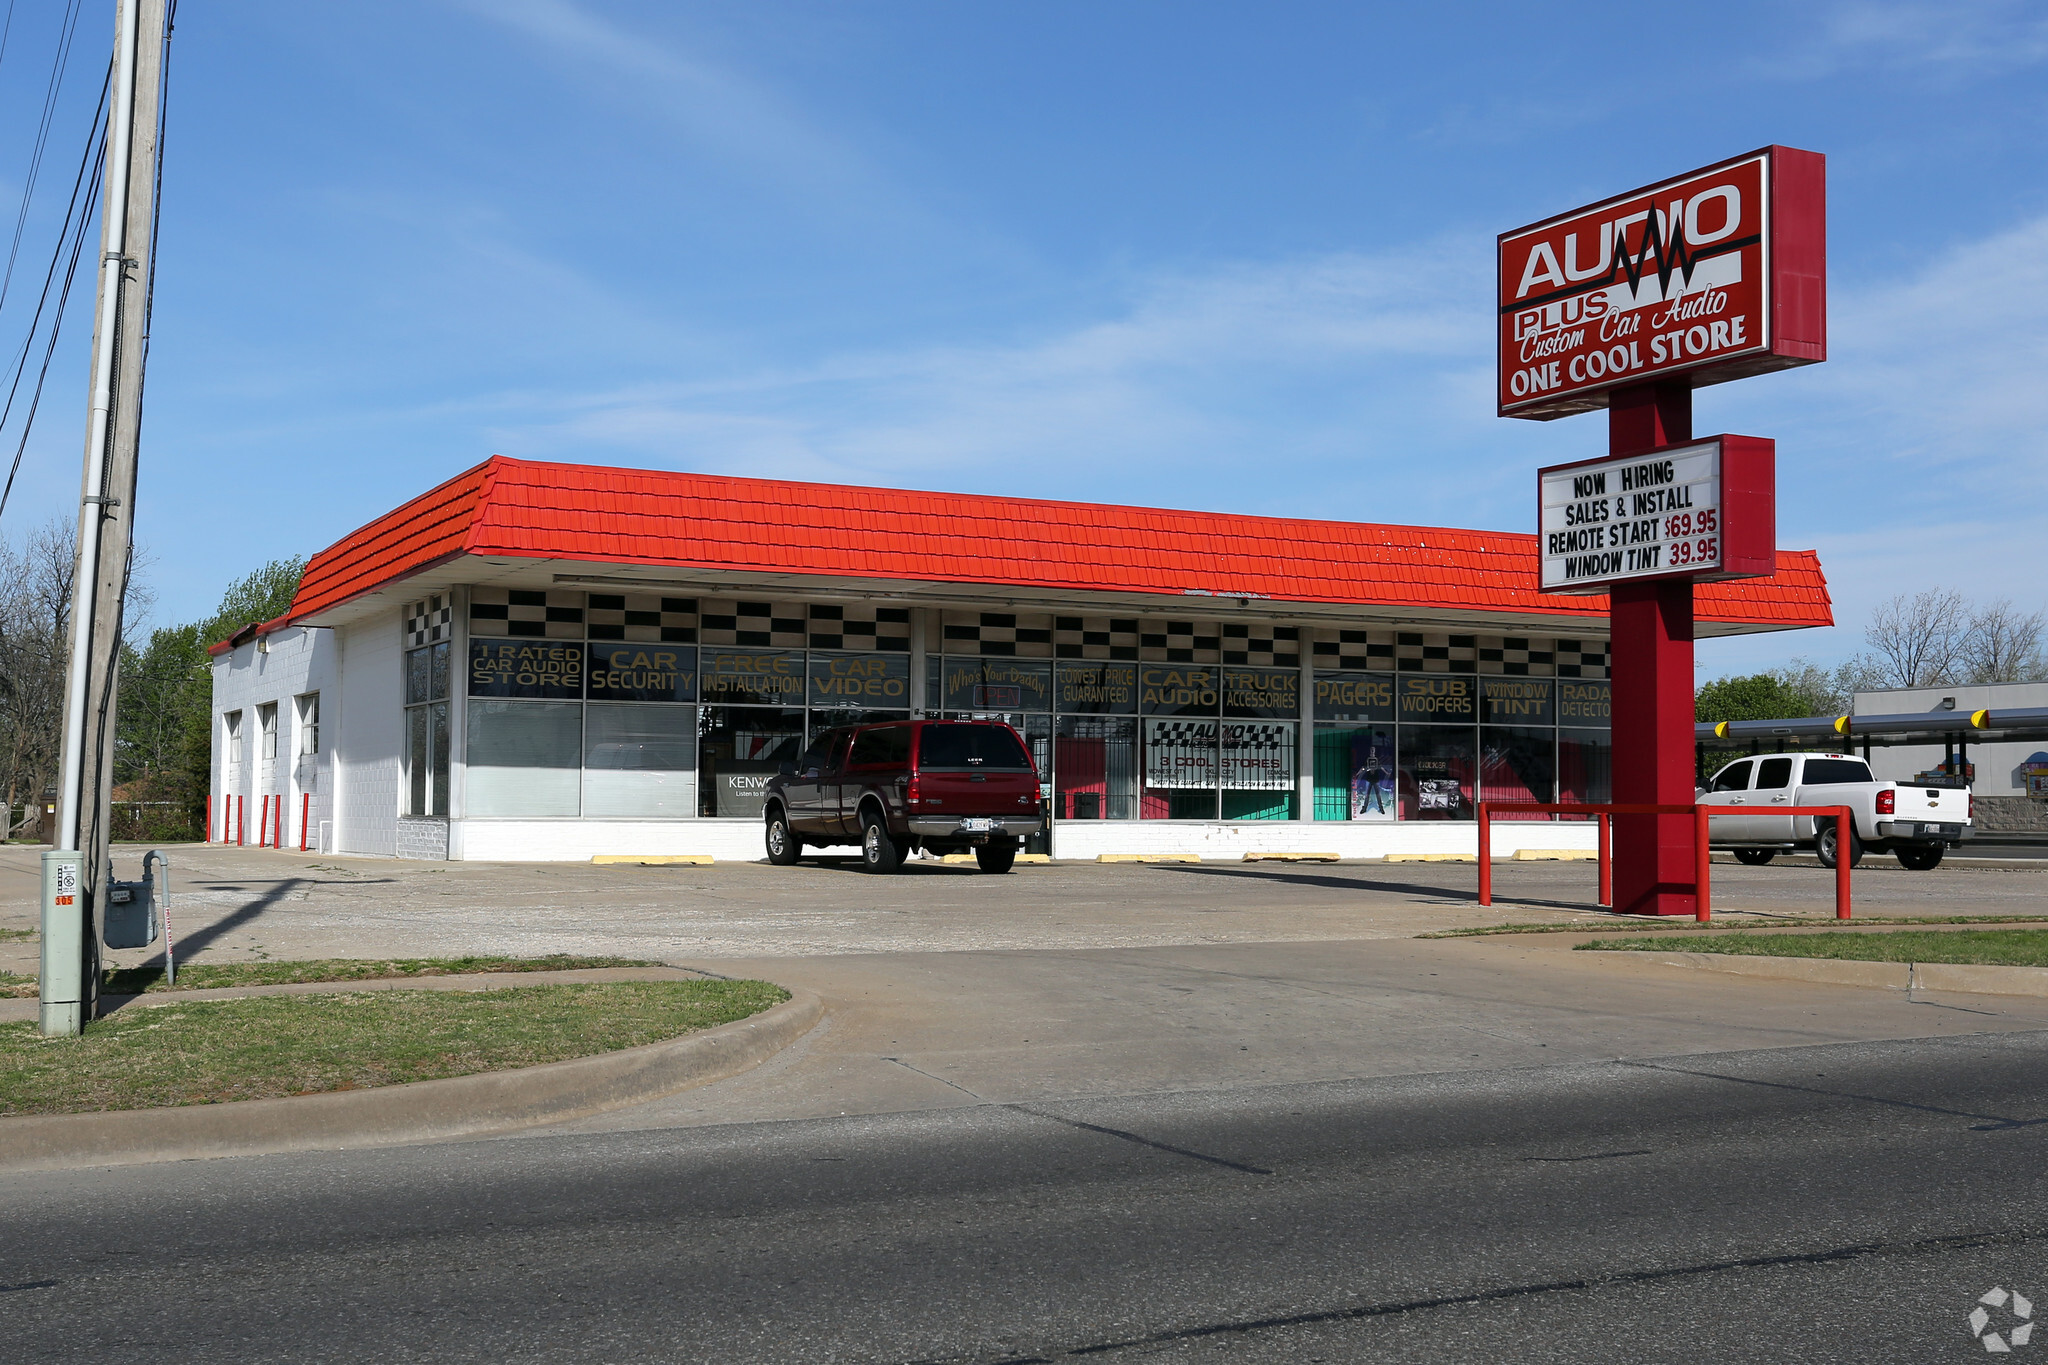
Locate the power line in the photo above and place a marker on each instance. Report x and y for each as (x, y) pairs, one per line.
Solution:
(77, 221)
(58, 65)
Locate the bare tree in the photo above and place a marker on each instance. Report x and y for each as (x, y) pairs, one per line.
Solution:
(2003, 644)
(1919, 641)
(35, 614)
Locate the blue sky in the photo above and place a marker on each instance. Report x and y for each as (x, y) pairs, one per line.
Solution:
(1202, 255)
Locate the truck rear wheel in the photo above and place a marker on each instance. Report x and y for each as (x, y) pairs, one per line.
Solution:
(1922, 859)
(1755, 857)
(1826, 840)
(878, 852)
(993, 857)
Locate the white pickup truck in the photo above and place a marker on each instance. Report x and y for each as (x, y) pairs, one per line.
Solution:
(1916, 821)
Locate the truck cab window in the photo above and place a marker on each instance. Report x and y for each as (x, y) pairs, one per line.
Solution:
(1733, 778)
(1773, 774)
(1823, 772)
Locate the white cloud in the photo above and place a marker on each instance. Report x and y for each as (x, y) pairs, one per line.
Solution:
(1277, 371)
(1960, 40)
(743, 121)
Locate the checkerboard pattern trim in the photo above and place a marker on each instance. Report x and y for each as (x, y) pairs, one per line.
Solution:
(1334, 647)
(429, 621)
(1095, 637)
(752, 624)
(524, 613)
(642, 616)
(860, 625)
(1000, 634)
(1426, 652)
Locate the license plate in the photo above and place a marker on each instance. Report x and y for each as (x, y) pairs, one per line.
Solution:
(979, 826)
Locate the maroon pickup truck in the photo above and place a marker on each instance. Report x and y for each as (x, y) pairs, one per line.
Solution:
(944, 786)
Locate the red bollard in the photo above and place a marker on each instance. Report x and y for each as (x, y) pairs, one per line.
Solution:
(305, 817)
(1606, 863)
(1702, 867)
(209, 817)
(1845, 828)
(1485, 858)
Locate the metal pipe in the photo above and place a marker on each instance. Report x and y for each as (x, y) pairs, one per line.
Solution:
(1894, 723)
(92, 510)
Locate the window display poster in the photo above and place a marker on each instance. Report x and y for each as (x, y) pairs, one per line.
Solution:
(1203, 754)
(1257, 757)
(1180, 753)
(1372, 775)
(1436, 790)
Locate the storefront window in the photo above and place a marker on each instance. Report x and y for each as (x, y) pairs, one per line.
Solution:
(992, 687)
(1585, 767)
(1262, 693)
(823, 720)
(642, 672)
(1095, 768)
(639, 760)
(739, 749)
(1257, 763)
(1180, 769)
(1435, 772)
(524, 758)
(426, 730)
(1100, 689)
(1354, 772)
(767, 677)
(539, 670)
(1517, 764)
(1177, 690)
(843, 683)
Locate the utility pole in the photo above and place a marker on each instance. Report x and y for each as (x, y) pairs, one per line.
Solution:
(75, 872)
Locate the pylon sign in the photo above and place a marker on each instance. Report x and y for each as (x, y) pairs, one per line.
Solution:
(1702, 510)
(1714, 275)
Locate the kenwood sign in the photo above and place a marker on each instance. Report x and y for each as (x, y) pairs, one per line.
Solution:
(1713, 275)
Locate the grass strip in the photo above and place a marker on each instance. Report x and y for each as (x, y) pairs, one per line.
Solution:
(1984, 947)
(206, 976)
(264, 1047)
(13, 985)
(16, 935)
(1625, 924)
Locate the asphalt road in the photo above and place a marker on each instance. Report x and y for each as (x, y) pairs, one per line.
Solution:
(1840, 1203)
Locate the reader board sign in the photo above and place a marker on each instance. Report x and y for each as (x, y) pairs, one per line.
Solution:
(1702, 510)
(1715, 275)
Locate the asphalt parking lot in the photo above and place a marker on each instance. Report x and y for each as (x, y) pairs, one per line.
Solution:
(945, 987)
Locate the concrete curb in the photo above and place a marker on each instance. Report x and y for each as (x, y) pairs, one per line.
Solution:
(1899, 976)
(423, 1111)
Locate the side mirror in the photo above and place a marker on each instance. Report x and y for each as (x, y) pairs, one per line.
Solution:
(786, 770)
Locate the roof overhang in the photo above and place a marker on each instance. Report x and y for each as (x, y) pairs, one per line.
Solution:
(492, 570)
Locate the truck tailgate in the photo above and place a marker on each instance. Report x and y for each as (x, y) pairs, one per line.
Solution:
(1002, 792)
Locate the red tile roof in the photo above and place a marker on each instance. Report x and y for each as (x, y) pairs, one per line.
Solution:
(527, 509)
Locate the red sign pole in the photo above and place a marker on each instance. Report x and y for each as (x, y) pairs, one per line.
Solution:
(1652, 687)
